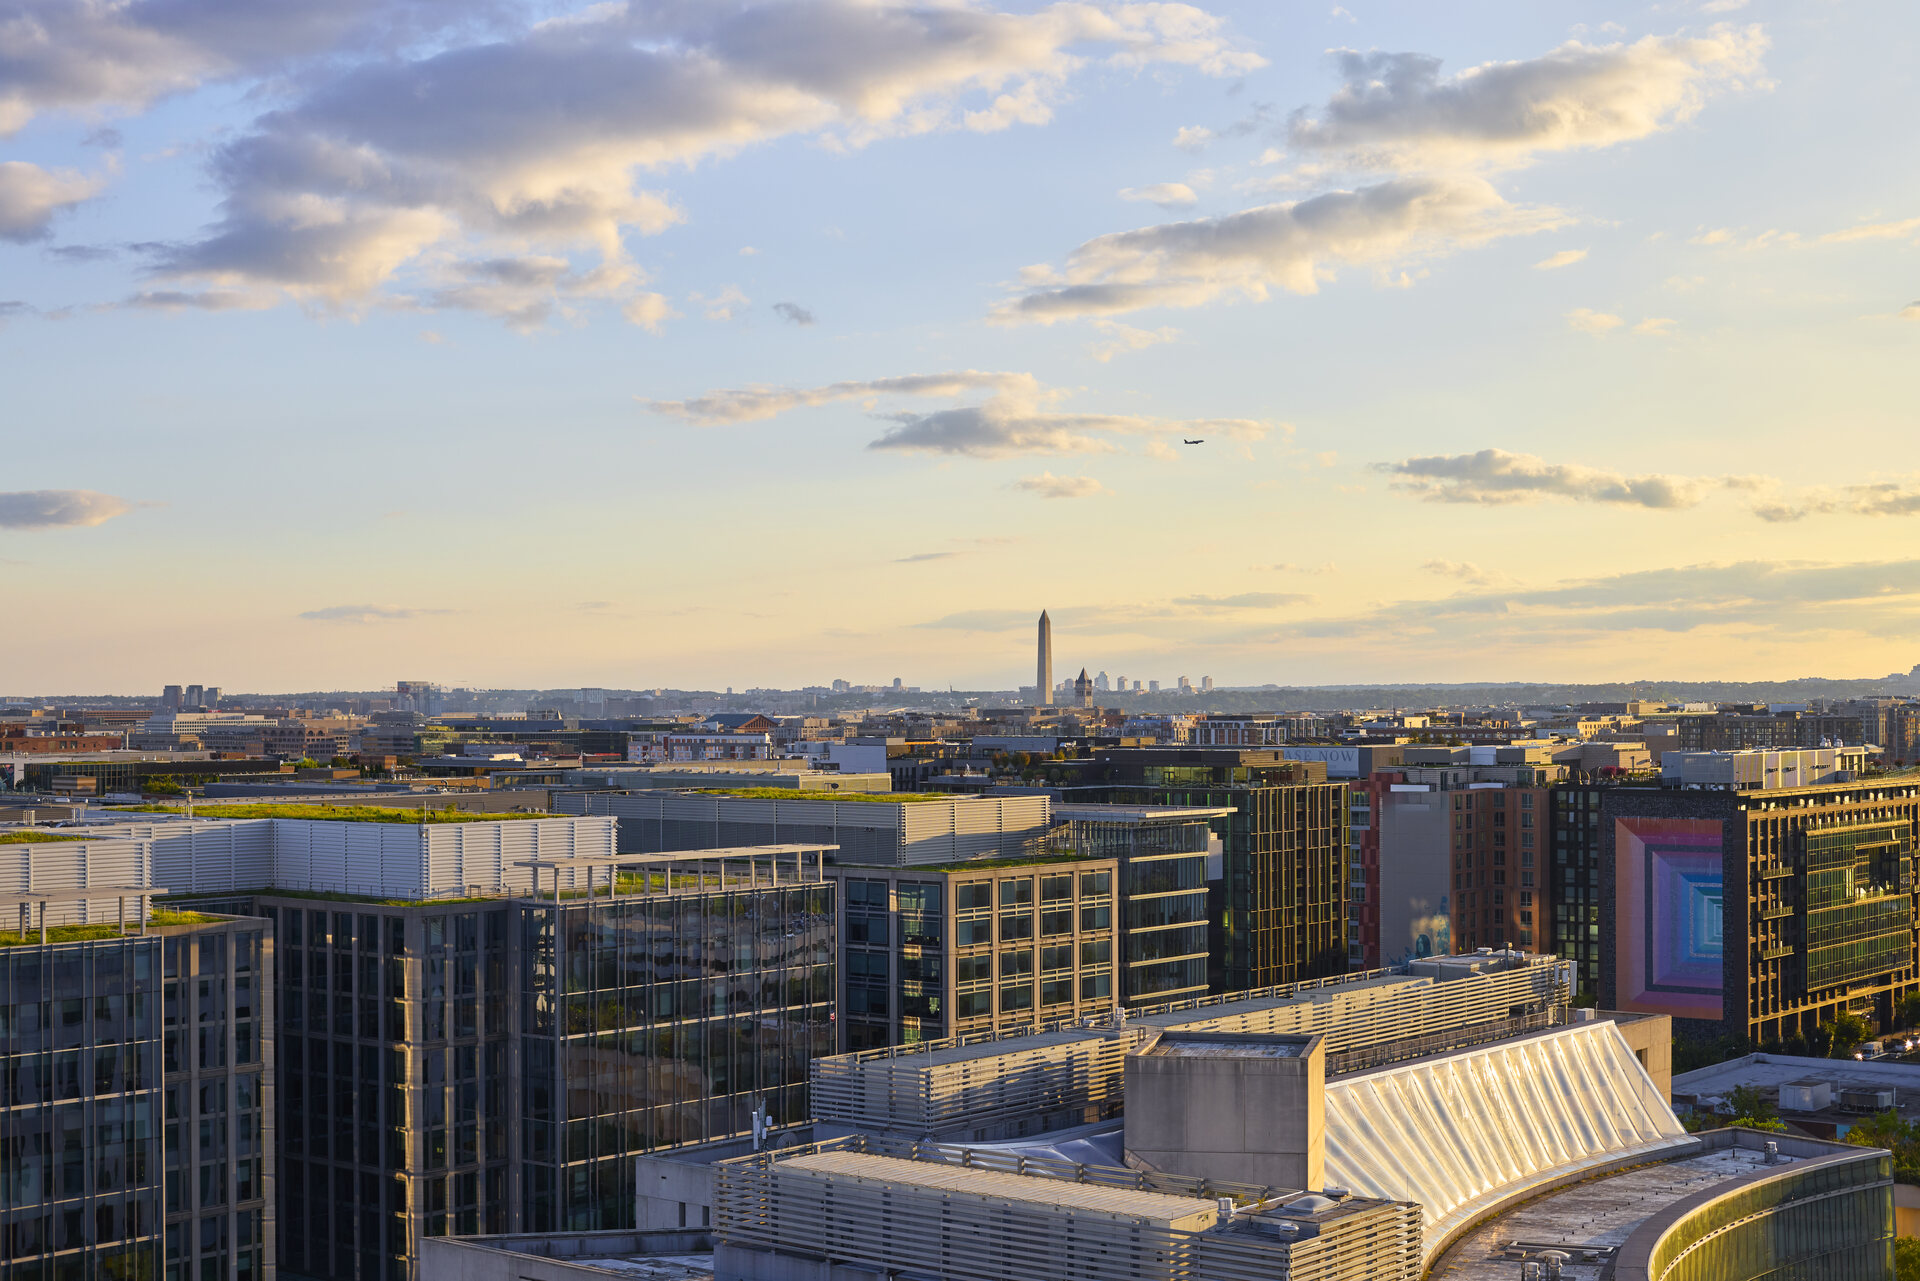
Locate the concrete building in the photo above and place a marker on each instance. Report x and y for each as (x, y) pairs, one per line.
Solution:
(1745, 771)
(1759, 914)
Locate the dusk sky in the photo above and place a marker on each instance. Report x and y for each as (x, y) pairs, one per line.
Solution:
(695, 343)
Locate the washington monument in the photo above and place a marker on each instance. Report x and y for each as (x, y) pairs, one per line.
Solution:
(1043, 694)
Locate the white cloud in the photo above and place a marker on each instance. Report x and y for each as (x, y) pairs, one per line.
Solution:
(1193, 137)
(1882, 498)
(1565, 258)
(531, 145)
(1464, 570)
(1900, 230)
(1293, 246)
(1656, 326)
(1243, 601)
(59, 508)
(1495, 477)
(366, 613)
(204, 300)
(1910, 312)
(1048, 485)
(1589, 321)
(1723, 6)
(729, 302)
(1395, 110)
(751, 404)
(1168, 195)
(30, 196)
(1123, 338)
(1014, 419)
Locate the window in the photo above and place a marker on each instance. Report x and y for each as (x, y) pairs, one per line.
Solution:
(1093, 884)
(1057, 992)
(969, 1005)
(1096, 918)
(1096, 954)
(1016, 964)
(1056, 958)
(1055, 888)
(1013, 928)
(977, 896)
(1058, 922)
(973, 969)
(1016, 893)
(1015, 999)
(972, 932)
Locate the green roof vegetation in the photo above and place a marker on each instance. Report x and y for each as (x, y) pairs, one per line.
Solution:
(156, 919)
(329, 896)
(798, 794)
(36, 837)
(1035, 860)
(336, 813)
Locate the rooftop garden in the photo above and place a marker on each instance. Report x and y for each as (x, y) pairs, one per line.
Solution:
(156, 919)
(37, 837)
(798, 794)
(335, 813)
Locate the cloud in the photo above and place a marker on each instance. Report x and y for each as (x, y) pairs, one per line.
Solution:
(1168, 195)
(1910, 312)
(30, 196)
(1048, 485)
(1882, 498)
(1122, 338)
(724, 305)
(750, 404)
(1395, 111)
(1244, 600)
(533, 144)
(1875, 231)
(58, 508)
(82, 253)
(1193, 137)
(1656, 326)
(793, 313)
(366, 614)
(206, 300)
(1750, 599)
(1464, 570)
(1494, 477)
(1565, 258)
(1293, 246)
(1589, 321)
(1014, 419)
(919, 557)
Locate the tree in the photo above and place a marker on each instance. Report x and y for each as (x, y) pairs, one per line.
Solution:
(1753, 1109)
(1906, 1258)
(306, 762)
(1908, 1012)
(1902, 1138)
(1845, 1032)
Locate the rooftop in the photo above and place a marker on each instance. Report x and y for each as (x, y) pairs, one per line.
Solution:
(1771, 1071)
(1084, 1198)
(812, 794)
(336, 813)
(1591, 1219)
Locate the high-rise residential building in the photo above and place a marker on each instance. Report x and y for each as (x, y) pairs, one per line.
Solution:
(1759, 913)
(1153, 687)
(1574, 875)
(1043, 673)
(136, 1120)
(1278, 909)
(1206, 683)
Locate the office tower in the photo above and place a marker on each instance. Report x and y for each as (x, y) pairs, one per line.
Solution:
(1043, 677)
(1206, 683)
(171, 698)
(1278, 911)
(135, 1126)
(1153, 687)
(193, 697)
(1758, 912)
(211, 698)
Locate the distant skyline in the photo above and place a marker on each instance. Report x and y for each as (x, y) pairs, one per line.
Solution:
(538, 345)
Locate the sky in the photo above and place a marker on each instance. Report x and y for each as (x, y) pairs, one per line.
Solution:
(693, 344)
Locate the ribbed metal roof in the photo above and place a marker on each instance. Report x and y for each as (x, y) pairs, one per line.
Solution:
(1161, 1209)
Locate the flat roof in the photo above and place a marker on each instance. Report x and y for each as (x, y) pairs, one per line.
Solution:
(1175, 1046)
(986, 1049)
(1060, 1193)
(1597, 1215)
(1776, 1070)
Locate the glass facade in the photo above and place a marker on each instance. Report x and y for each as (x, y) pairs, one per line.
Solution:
(1575, 882)
(1858, 901)
(133, 1140)
(1830, 1222)
(651, 1022)
(1163, 890)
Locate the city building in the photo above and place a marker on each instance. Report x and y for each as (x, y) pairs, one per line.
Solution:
(953, 949)
(1573, 878)
(464, 1046)
(136, 1124)
(1759, 914)
(1278, 909)
(1162, 854)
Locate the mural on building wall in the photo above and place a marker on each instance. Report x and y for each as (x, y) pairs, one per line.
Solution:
(1668, 879)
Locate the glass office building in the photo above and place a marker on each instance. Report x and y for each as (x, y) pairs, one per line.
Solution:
(134, 1127)
(491, 1065)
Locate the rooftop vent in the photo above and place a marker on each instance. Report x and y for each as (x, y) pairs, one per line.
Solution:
(1868, 1100)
